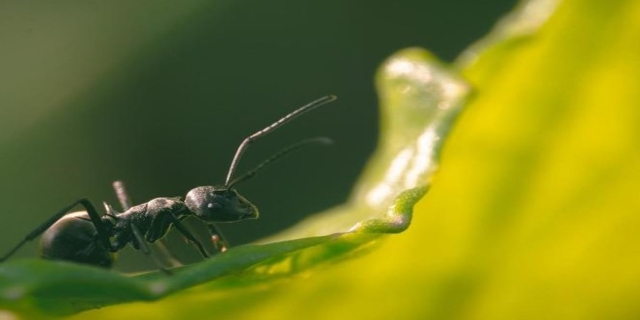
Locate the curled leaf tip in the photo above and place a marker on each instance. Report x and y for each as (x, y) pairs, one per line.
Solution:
(419, 98)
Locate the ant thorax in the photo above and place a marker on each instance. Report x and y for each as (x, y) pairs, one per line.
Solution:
(153, 220)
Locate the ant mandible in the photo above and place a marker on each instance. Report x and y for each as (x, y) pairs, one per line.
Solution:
(87, 237)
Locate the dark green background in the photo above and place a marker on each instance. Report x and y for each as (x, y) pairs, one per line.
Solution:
(173, 97)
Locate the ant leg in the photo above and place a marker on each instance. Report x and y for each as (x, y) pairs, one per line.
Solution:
(217, 238)
(122, 194)
(162, 247)
(144, 247)
(187, 234)
(103, 235)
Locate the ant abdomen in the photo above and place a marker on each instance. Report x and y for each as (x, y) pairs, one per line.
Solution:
(73, 238)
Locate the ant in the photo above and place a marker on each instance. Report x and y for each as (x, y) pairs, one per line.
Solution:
(86, 237)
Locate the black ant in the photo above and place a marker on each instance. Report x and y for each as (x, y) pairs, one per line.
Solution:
(87, 237)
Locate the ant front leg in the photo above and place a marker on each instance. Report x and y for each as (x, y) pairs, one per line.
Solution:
(217, 238)
(102, 233)
(187, 234)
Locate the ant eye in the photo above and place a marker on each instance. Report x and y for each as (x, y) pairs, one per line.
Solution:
(214, 206)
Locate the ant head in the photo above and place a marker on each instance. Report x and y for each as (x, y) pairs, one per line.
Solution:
(225, 204)
(219, 204)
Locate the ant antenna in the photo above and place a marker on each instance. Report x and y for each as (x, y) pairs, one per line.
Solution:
(277, 156)
(248, 140)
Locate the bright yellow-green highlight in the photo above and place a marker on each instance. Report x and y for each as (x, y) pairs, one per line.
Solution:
(533, 213)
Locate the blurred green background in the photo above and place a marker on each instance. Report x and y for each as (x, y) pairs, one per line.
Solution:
(160, 93)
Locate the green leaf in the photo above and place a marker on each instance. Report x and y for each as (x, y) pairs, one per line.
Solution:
(420, 98)
(533, 213)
